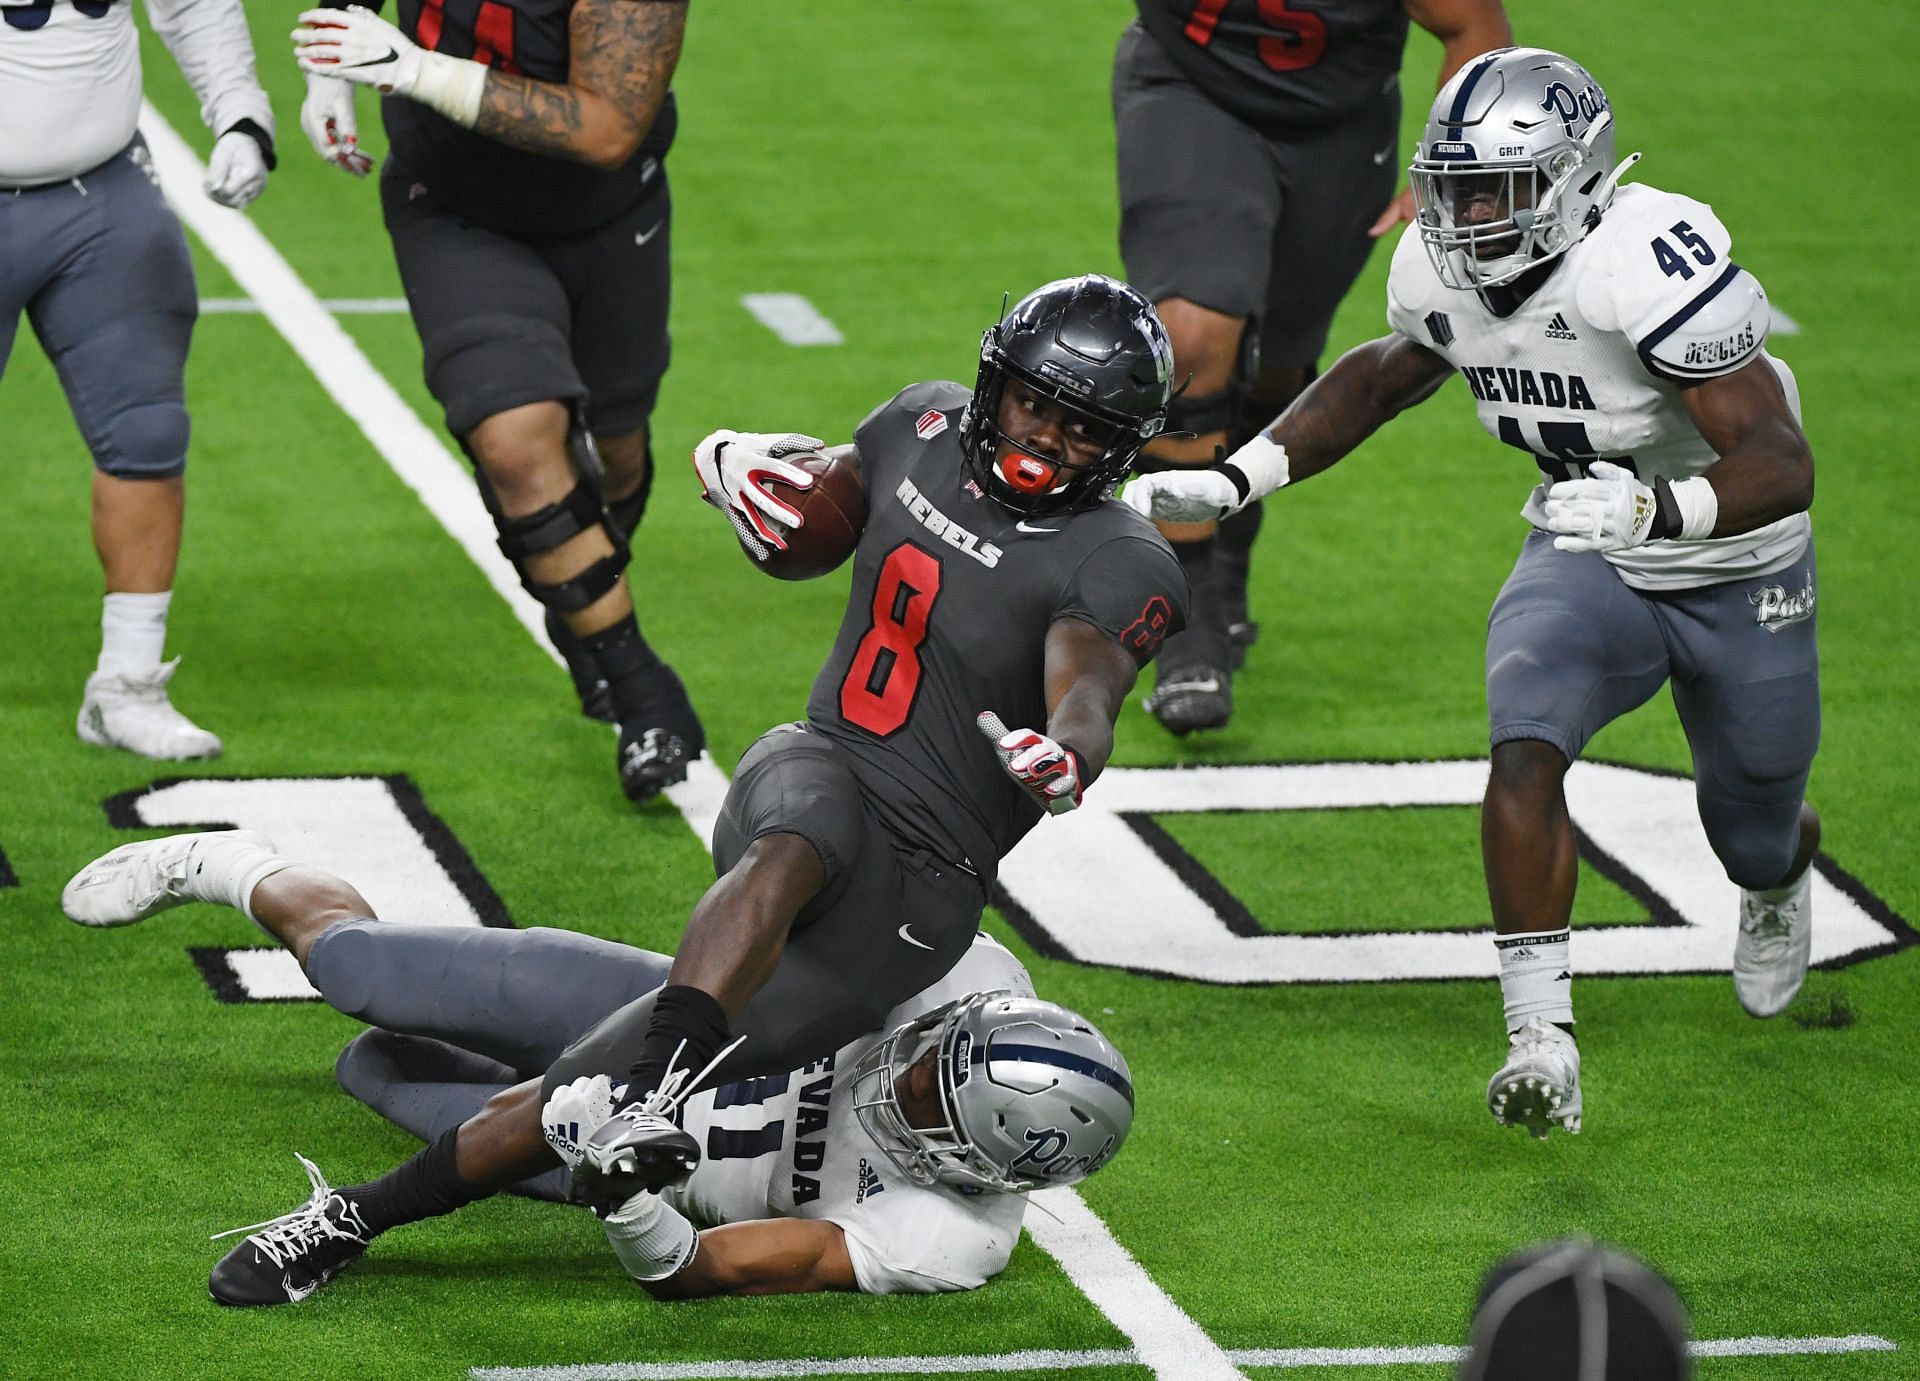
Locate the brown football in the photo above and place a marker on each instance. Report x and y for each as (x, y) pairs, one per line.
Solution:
(833, 513)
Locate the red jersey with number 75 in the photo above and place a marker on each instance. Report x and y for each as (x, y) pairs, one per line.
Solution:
(1281, 64)
(948, 615)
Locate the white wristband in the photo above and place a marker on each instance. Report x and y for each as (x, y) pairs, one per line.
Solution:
(1699, 508)
(1262, 463)
(451, 86)
(651, 1237)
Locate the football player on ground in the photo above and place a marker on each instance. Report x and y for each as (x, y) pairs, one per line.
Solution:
(526, 197)
(98, 263)
(1256, 150)
(1606, 332)
(995, 579)
(899, 1162)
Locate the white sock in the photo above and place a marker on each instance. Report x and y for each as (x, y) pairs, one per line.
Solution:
(1536, 978)
(227, 870)
(133, 633)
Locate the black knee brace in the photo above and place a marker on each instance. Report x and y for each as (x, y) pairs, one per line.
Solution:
(544, 529)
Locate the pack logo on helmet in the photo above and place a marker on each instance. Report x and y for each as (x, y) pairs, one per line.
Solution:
(1571, 106)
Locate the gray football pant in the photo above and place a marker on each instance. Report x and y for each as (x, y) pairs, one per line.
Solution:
(99, 265)
(1572, 647)
(462, 1013)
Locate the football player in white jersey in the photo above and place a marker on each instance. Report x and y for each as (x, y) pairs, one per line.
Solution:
(898, 1163)
(1607, 332)
(100, 267)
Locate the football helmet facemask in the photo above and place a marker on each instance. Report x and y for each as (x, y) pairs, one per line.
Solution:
(1095, 347)
(1031, 1095)
(1515, 166)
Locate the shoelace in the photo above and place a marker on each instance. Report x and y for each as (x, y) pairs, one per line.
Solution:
(674, 1089)
(290, 1234)
(1537, 1040)
(1771, 922)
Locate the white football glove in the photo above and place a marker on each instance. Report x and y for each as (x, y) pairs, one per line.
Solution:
(1611, 511)
(237, 171)
(1047, 771)
(1182, 496)
(327, 115)
(733, 468)
(357, 45)
(575, 1113)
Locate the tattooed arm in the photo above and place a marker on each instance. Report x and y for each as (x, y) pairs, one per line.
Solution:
(623, 56)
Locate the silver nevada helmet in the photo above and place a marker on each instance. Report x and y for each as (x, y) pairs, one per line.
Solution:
(1514, 167)
(1031, 1095)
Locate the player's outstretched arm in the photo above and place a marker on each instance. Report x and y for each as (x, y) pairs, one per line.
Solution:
(770, 1256)
(1366, 388)
(1088, 674)
(1765, 470)
(622, 54)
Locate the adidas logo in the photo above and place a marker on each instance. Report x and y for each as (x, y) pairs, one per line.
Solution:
(869, 1184)
(1557, 329)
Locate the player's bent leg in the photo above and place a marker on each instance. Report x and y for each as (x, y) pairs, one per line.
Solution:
(1569, 648)
(543, 480)
(1751, 710)
(1193, 687)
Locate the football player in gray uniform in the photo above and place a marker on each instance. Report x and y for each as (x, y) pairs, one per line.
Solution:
(996, 579)
(98, 263)
(899, 1162)
(1606, 333)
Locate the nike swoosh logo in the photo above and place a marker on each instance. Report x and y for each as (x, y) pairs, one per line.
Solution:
(1039, 530)
(294, 1296)
(391, 55)
(910, 940)
(642, 238)
(1206, 687)
(1383, 155)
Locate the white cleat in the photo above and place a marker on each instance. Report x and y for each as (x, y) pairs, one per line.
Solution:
(1775, 942)
(133, 712)
(1539, 1086)
(137, 880)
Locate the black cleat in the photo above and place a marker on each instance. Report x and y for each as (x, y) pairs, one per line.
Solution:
(1190, 697)
(286, 1259)
(596, 700)
(659, 736)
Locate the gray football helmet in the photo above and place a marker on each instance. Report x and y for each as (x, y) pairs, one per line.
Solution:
(1031, 1095)
(1515, 166)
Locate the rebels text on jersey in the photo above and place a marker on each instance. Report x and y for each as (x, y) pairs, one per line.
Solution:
(948, 615)
(1278, 67)
(792, 1146)
(1591, 366)
(511, 190)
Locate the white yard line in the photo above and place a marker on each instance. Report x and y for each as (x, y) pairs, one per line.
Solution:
(792, 318)
(1281, 1358)
(1164, 1336)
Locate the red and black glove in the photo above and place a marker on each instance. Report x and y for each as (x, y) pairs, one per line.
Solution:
(1047, 771)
